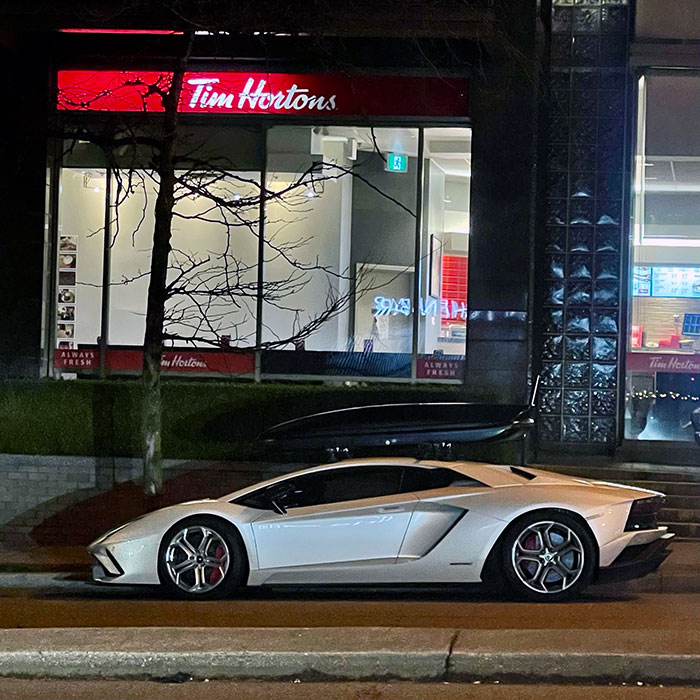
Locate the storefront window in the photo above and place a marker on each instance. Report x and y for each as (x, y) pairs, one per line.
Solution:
(663, 349)
(364, 244)
(442, 304)
(340, 228)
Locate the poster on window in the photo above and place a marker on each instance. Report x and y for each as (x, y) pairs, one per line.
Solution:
(65, 298)
(641, 281)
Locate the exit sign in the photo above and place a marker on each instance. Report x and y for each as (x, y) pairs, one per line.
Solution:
(396, 163)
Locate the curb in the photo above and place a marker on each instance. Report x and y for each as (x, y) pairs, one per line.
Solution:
(358, 654)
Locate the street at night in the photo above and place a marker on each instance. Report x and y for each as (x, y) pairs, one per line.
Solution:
(45, 603)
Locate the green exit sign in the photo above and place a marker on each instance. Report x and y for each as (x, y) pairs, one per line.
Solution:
(396, 163)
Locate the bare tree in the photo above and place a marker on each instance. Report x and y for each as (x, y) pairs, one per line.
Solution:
(191, 295)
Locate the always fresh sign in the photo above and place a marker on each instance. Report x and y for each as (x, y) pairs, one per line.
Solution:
(264, 93)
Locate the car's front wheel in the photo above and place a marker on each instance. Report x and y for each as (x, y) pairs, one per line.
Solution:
(548, 556)
(201, 558)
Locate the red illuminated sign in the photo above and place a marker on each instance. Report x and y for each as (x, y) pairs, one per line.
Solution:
(455, 271)
(663, 362)
(173, 361)
(264, 93)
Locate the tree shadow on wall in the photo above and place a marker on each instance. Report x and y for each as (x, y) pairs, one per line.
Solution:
(77, 518)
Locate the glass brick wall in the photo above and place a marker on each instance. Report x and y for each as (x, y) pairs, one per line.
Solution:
(585, 222)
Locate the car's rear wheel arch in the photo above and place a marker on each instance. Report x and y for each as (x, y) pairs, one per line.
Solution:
(490, 573)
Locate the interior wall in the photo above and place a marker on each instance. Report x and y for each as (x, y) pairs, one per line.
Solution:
(383, 234)
(435, 201)
(317, 226)
(658, 317)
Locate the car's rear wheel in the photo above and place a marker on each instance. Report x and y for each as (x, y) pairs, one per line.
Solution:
(201, 558)
(548, 556)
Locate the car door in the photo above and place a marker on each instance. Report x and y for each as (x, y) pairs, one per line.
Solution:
(343, 514)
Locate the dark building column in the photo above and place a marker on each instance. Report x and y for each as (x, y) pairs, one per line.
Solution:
(583, 240)
(22, 198)
(504, 103)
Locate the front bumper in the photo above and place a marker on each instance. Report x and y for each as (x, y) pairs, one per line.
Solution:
(126, 562)
(637, 560)
(106, 567)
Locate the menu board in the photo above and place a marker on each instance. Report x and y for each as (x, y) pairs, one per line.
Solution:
(675, 282)
(663, 281)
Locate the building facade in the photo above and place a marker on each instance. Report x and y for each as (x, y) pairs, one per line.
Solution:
(478, 198)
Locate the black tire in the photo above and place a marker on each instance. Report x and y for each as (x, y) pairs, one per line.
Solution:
(540, 564)
(216, 581)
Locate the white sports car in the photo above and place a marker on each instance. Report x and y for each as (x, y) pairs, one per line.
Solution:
(543, 535)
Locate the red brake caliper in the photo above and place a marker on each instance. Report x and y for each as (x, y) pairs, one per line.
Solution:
(215, 574)
(529, 543)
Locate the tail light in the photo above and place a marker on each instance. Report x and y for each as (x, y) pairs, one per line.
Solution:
(644, 513)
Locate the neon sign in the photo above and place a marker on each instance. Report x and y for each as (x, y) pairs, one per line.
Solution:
(228, 92)
(447, 308)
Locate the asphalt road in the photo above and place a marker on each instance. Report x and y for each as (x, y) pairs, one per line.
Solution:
(42, 600)
(17, 689)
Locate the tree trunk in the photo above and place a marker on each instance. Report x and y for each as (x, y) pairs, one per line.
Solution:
(155, 310)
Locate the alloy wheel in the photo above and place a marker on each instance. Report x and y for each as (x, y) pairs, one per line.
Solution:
(197, 559)
(548, 557)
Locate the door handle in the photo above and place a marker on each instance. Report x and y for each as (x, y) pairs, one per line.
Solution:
(391, 509)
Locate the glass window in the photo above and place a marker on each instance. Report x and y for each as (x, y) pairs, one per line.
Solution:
(351, 263)
(442, 303)
(214, 258)
(131, 234)
(81, 219)
(663, 347)
(339, 249)
(330, 486)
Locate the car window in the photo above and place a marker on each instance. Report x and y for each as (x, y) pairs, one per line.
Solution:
(353, 483)
(330, 486)
(422, 479)
(350, 484)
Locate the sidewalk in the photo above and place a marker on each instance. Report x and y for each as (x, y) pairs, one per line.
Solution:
(369, 653)
(680, 573)
(49, 559)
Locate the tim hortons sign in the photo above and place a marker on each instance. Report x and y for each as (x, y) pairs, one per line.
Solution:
(210, 361)
(663, 362)
(264, 93)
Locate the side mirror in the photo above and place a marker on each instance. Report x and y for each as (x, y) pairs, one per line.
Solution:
(278, 494)
(278, 507)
